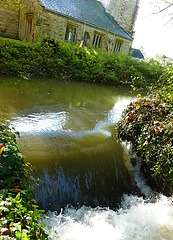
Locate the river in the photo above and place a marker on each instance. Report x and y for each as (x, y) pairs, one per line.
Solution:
(87, 184)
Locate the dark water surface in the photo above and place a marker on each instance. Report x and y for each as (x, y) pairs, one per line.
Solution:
(66, 134)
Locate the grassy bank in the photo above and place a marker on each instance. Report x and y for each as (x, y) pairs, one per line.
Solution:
(55, 59)
(19, 214)
(148, 124)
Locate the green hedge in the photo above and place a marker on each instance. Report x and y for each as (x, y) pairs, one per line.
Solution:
(55, 59)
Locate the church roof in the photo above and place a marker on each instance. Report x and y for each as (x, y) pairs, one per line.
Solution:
(136, 53)
(88, 11)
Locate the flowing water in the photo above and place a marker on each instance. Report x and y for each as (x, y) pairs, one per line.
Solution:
(86, 181)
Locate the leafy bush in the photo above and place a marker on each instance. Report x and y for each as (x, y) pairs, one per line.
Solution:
(19, 214)
(56, 59)
(148, 124)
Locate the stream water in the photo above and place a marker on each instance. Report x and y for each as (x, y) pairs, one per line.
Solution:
(87, 184)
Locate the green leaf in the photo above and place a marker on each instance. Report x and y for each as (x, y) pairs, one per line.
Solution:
(17, 226)
(21, 236)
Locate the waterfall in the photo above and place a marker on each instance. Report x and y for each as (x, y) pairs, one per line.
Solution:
(137, 219)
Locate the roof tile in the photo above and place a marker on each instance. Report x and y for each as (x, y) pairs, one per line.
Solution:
(89, 11)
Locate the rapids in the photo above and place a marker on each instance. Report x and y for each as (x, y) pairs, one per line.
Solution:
(137, 219)
(87, 184)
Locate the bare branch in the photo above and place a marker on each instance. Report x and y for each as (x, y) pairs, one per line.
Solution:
(163, 9)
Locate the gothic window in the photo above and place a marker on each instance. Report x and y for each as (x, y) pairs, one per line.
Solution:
(86, 38)
(29, 23)
(70, 35)
(118, 45)
(97, 39)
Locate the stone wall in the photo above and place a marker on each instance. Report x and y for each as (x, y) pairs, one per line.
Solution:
(127, 13)
(54, 25)
(124, 11)
(9, 21)
(29, 23)
(33, 21)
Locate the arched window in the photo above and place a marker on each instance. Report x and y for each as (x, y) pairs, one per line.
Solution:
(97, 39)
(29, 23)
(118, 45)
(70, 35)
(86, 38)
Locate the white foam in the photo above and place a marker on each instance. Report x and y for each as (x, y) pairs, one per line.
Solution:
(136, 220)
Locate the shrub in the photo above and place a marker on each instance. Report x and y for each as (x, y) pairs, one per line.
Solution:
(56, 59)
(19, 213)
(148, 124)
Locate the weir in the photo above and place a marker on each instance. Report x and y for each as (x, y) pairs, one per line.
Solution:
(86, 181)
(77, 166)
(92, 171)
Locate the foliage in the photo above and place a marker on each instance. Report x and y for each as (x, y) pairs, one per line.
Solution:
(12, 4)
(56, 59)
(148, 124)
(18, 212)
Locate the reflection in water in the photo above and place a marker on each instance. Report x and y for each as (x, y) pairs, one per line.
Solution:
(90, 173)
(76, 162)
(44, 119)
(66, 131)
(40, 122)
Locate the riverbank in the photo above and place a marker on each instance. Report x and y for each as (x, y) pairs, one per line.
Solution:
(19, 213)
(66, 61)
(148, 124)
(60, 60)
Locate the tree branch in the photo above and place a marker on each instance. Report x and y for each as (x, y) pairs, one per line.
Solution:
(163, 9)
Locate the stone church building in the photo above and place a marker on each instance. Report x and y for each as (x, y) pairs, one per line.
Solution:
(106, 23)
